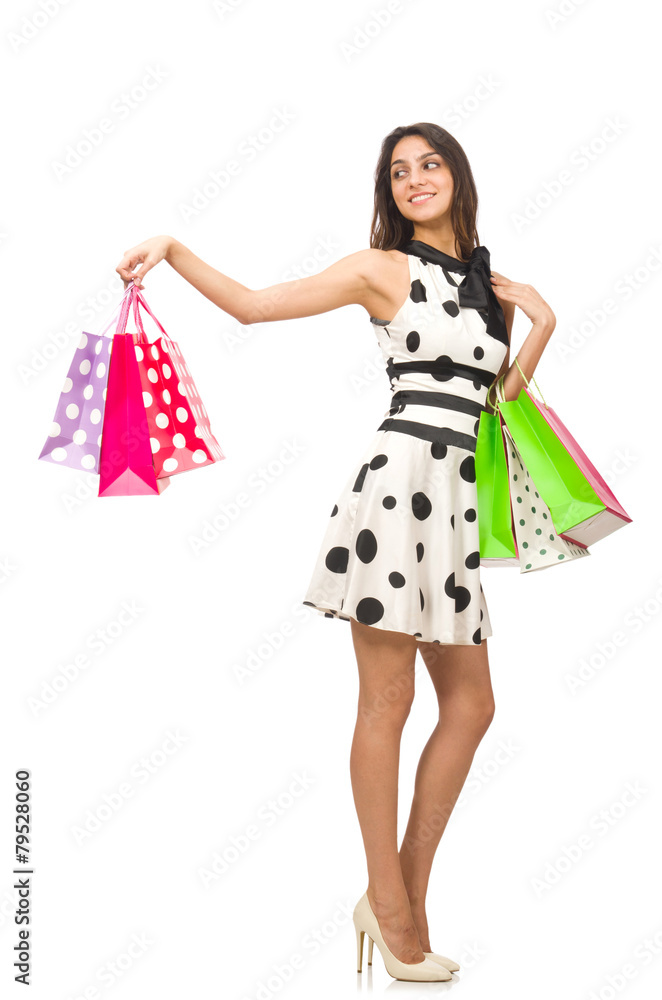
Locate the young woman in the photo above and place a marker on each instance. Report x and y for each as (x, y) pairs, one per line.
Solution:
(400, 557)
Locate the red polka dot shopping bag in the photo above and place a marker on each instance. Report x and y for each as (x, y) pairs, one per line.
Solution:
(181, 438)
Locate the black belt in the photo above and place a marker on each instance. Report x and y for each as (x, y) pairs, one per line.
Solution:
(442, 370)
(438, 435)
(426, 397)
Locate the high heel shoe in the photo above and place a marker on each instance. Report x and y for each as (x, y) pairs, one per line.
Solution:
(366, 922)
(448, 963)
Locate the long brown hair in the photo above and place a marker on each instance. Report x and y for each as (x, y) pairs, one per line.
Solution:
(389, 228)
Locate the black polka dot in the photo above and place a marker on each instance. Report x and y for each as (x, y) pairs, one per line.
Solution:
(453, 521)
(337, 559)
(461, 595)
(451, 307)
(419, 551)
(378, 461)
(358, 485)
(413, 341)
(366, 545)
(396, 579)
(335, 510)
(473, 560)
(477, 427)
(476, 636)
(478, 353)
(438, 450)
(468, 469)
(421, 506)
(442, 377)
(421, 598)
(417, 291)
(389, 502)
(470, 515)
(477, 384)
(369, 610)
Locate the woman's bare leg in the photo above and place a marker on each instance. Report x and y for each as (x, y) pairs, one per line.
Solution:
(386, 689)
(461, 678)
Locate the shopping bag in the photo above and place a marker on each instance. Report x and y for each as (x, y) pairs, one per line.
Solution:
(580, 502)
(613, 515)
(515, 524)
(125, 465)
(75, 435)
(539, 544)
(180, 432)
(495, 527)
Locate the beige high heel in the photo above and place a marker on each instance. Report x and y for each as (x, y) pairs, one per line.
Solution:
(366, 922)
(448, 963)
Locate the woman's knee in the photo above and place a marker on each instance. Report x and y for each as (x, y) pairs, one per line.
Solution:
(474, 712)
(390, 703)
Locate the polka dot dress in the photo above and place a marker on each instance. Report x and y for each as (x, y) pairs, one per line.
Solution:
(401, 547)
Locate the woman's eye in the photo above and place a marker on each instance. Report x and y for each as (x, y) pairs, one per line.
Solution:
(429, 163)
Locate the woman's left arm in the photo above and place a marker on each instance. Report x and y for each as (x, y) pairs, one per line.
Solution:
(511, 294)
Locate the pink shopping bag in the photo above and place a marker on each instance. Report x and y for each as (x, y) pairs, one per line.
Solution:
(126, 467)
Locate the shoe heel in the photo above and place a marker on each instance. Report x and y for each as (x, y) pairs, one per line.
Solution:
(359, 949)
(365, 922)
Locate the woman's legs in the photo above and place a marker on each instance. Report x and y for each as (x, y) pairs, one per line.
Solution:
(461, 677)
(386, 689)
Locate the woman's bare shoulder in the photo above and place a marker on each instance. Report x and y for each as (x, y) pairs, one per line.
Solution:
(385, 274)
(378, 265)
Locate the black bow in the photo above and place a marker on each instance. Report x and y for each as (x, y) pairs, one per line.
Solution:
(475, 290)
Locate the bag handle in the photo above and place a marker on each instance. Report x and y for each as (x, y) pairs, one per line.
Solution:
(499, 390)
(120, 309)
(140, 298)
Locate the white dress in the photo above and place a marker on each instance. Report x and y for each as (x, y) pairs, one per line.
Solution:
(401, 547)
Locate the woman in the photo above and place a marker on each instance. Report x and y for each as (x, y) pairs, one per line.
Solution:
(400, 557)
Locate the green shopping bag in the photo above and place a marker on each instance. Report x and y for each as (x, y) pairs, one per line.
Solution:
(566, 490)
(496, 540)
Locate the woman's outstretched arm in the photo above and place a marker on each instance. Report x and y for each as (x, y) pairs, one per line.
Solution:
(344, 283)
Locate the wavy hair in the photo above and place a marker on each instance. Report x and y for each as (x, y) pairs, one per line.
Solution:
(389, 229)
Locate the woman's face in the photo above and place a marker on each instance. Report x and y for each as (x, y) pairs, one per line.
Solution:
(417, 169)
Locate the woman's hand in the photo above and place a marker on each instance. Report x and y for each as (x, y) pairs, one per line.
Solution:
(527, 298)
(146, 254)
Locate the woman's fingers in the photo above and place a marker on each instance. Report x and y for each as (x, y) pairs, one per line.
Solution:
(126, 266)
(147, 255)
(525, 296)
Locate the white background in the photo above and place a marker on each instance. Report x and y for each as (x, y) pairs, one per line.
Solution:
(523, 87)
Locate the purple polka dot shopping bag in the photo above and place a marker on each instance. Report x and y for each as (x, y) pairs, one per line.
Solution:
(74, 439)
